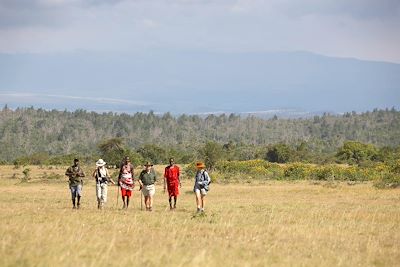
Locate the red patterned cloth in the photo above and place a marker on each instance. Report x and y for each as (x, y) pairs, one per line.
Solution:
(171, 175)
(126, 177)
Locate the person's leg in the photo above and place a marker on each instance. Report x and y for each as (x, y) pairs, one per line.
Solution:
(78, 204)
(146, 202)
(127, 201)
(103, 194)
(73, 196)
(98, 195)
(150, 202)
(78, 194)
(198, 200)
(170, 202)
(203, 202)
(175, 199)
(123, 195)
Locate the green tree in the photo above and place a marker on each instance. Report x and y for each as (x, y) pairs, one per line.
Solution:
(356, 152)
(113, 151)
(279, 153)
(153, 153)
(211, 153)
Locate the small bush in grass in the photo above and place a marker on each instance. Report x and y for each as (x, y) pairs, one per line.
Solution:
(26, 173)
(388, 180)
(389, 176)
(324, 173)
(296, 171)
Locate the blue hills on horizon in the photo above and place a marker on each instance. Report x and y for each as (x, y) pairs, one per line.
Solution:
(287, 83)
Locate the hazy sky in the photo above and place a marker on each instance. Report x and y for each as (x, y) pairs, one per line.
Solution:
(364, 29)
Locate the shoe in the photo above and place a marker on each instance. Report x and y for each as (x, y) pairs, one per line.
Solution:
(74, 208)
(198, 210)
(78, 206)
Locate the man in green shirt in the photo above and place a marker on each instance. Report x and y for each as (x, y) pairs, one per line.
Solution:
(75, 175)
(147, 180)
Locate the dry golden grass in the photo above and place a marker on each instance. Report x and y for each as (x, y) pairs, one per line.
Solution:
(270, 224)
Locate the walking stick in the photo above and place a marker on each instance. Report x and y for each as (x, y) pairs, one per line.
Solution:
(141, 199)
(117, 193)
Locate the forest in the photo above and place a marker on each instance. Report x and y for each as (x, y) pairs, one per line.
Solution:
(50, 136)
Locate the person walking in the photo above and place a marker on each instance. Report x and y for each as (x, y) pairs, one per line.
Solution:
(102, 178)
(147, 180)
(201, 186)
(75, 175)
(125, 181)
(172, 182)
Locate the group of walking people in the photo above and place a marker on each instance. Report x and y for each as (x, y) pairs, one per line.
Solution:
(146, 180)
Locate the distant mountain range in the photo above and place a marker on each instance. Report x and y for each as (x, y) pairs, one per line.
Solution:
(288, 84)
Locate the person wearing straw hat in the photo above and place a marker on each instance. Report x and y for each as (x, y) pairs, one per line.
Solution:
(147, 180)
(125, 181)
(201, 185)
(102, 177)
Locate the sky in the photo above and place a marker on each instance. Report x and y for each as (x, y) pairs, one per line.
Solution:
(114, 29)
(364, 29)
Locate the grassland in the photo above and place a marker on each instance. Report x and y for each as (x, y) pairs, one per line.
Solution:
(269, 223)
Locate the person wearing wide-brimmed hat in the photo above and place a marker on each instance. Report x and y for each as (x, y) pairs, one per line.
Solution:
(201, 185)
(147, 180)
(102, 177)
(125, 181)
(75, 174)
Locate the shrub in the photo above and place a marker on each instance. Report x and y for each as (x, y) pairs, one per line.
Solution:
(26, 173)
(296, 171)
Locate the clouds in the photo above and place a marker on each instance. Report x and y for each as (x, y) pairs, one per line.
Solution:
(357, 9)
(357, 28)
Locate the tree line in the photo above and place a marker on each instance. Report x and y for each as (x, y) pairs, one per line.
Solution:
(56, 136)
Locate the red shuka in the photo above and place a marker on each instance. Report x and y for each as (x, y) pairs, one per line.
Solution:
(171, 174)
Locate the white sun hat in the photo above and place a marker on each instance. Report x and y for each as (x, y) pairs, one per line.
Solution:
(100, 163)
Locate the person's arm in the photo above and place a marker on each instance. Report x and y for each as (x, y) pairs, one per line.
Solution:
(94, 173)
(109, 177)
(140, 181)
(120, 171)
(68, 174)
(165, 178)
(81, 173)
(179, 176)
(208, 178)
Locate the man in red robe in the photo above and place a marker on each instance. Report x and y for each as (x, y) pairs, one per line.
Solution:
(172, 182)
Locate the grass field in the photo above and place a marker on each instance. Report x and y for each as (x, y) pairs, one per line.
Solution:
(259, 224)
